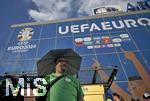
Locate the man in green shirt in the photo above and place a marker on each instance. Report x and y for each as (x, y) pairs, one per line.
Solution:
(67, 88)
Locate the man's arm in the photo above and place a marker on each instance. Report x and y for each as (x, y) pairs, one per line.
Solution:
(80, 91)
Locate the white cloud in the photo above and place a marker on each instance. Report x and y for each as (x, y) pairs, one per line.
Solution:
(39, 16)
(50, 9)
(59, 9)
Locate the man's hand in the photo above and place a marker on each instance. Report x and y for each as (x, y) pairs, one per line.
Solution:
(81, 99)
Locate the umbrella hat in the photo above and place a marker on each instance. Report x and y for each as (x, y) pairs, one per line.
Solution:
(46, 64)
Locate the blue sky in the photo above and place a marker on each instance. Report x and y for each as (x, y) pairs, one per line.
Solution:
(20, 11)
(12, 11)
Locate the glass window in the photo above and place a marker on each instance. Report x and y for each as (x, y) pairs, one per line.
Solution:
(109, 61)
(103, 43)
(5, 36)
(48, 31)
(87, 61)
(85, 77)
(17, 66)
(3, 68)
(128, 65)
(124, 86)
(45, 46)
(95, 25)
(84, 45)
(65, 42)
(25, 33)
(20, 50)
(63, 29)
(130, 22)
(136, 70)
(144, 15)
(141, 38)
(146, 55)
(80, 28)
(122, 40)
(144, 59)
(86, 72)
(114, 24)
(24, 66)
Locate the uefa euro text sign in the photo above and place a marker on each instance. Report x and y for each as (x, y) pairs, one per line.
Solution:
(106, 25)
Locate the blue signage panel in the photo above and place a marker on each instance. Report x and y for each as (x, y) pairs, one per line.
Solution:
(121, 41)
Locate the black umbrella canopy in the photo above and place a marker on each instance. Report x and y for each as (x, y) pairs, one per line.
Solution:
(46, 64)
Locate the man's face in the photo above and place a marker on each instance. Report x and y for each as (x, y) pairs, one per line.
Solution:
(61, 67)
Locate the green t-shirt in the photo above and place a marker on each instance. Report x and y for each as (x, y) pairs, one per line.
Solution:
(66, 89)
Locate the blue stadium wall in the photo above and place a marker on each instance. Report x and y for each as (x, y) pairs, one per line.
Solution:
(118, 39)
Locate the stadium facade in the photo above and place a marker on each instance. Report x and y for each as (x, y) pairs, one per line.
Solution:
(117, 39)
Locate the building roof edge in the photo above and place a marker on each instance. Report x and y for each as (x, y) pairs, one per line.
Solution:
(76, 19)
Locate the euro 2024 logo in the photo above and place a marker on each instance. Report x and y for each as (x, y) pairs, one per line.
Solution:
(25, 34)
(23, 45)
